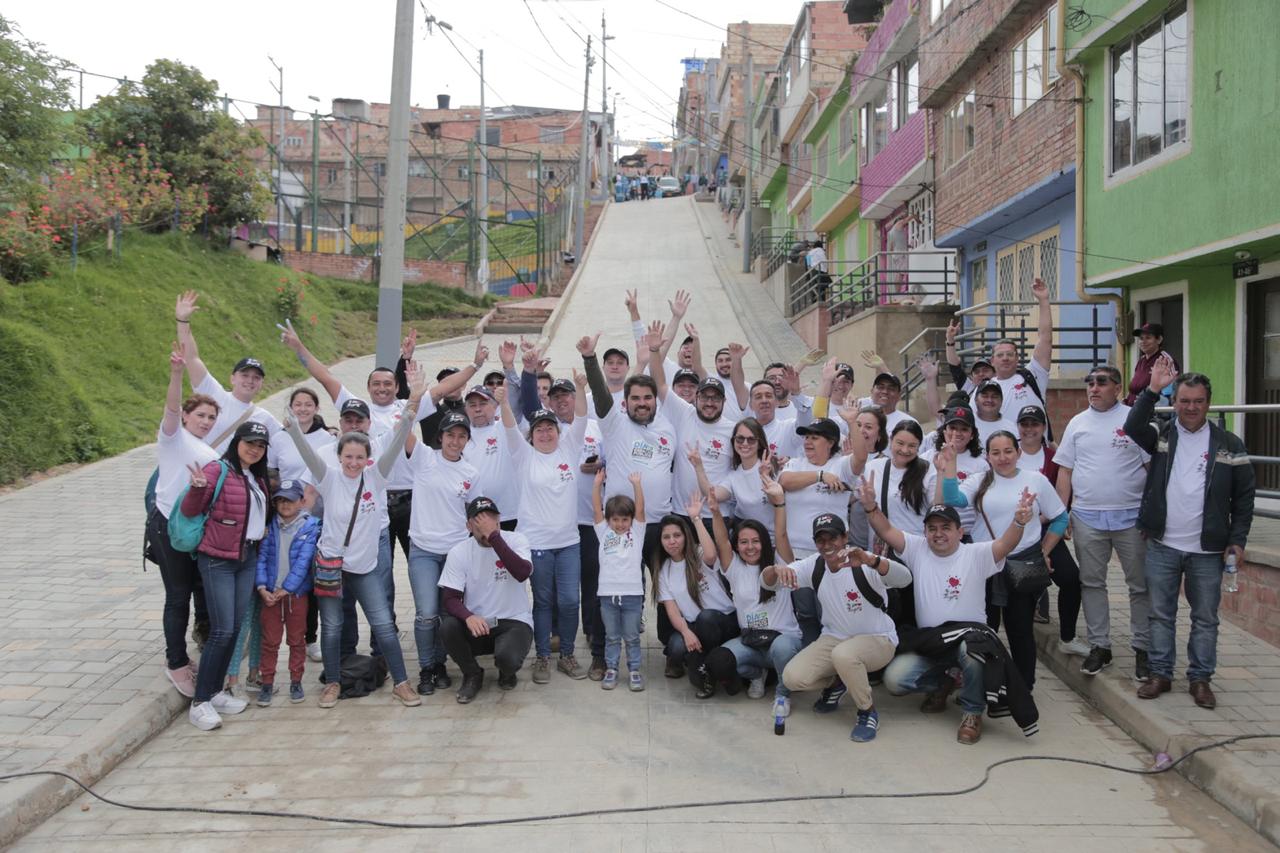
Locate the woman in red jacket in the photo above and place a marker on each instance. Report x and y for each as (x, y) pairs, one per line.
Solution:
(227, 557)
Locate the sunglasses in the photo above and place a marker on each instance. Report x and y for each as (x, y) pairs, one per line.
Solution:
(744, 439)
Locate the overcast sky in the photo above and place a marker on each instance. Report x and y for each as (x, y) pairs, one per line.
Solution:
(342, 49)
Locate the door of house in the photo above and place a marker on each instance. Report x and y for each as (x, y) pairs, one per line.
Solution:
(1262, 376)
(1168, 313)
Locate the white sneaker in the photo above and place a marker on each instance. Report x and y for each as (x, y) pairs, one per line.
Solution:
(781, 707)
(1076, 646)
(313, 652)
(225, 703)
(203, 716)
(756, 688)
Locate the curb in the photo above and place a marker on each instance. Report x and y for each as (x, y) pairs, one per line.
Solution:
(553, 322)
(27, 803)
(1232, 782)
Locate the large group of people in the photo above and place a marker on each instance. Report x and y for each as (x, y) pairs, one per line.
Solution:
(813, 543)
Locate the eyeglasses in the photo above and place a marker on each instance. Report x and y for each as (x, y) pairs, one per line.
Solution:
(744, 439)
(1098, 380)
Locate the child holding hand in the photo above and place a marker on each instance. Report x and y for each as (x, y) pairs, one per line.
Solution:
(620, 528)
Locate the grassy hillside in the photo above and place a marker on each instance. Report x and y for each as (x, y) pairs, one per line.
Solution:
(83, 356)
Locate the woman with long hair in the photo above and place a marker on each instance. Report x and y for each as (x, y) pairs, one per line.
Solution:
(906, 480)
(959, 433)
(694, 595)
(749, 462)
(283, 458)
(867, 439)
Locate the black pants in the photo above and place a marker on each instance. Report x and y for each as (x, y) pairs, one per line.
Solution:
(1066, 576)
(399, 509)
(509, 643)
(313, 619)
(592, 626)
(182, 585)
(653, 554)
(1019, 626)
(712, 628)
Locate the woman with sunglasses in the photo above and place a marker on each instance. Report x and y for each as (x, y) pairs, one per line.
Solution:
(749, 464)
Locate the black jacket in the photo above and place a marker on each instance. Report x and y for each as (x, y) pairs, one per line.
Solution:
(1228, 479)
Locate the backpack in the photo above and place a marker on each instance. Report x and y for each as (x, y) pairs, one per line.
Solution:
(361, 675)
(859, 578)
(185, 532)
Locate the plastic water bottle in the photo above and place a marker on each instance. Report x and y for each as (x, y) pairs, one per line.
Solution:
(1230, 575)
(779, 725)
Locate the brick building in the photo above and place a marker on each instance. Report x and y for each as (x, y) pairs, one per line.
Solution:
(763, 43)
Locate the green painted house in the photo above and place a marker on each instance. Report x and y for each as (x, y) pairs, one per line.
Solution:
(1181, 209)
(833, 138)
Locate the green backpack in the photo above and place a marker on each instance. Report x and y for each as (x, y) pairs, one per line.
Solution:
(185, 532)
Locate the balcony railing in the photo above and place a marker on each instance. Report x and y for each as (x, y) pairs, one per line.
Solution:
(892, 278)
(775, 246)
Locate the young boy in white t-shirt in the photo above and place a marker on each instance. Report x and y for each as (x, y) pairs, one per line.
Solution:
(619, 528)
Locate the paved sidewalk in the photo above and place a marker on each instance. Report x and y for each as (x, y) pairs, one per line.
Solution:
(1244, 777)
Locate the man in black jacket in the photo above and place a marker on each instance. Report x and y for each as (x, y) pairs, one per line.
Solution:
(1197, 508)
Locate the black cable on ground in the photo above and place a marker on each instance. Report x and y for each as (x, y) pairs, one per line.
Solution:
(754, 801)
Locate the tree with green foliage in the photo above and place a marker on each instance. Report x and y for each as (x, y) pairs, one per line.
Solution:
(176, 113)
(32, 98)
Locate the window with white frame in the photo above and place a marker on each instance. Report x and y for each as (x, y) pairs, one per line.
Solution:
(846, 130)
(957, 128)
(293, 141)
(418, 168)
(936, 7)
(1149, 91)
(920, 221)
(875, 125)
(906, 85)
(1035, 66)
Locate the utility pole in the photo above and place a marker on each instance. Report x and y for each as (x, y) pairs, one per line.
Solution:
(606, 121)
(391, 265)
(750, 135)
(482, 266)
(315, 175)
(346, 185)
(279, 156)
(579, 225)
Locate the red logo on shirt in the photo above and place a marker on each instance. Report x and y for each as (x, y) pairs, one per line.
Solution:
(492, 441)
(368, 462)
(715, 442)
(851, 595)
(466, 485)
(498, 563)
(563, 467)
(960, 475)
(368, 496)
(953, 581)
(1019, 386)
(1120, 431)
(662, 440)
(591, 439)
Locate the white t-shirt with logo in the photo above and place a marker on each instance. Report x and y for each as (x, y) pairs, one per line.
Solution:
(1108, 468)
(747, 494)
(776, 614)
(949, 589)
(229, 411)
(592, 444)
(1001, 501)
(969, 469)
(488, 589)
(1018, 393)
(845, 612)
(1031, 461)
(548, 487)
(781, 435)
(621, 560)
(284, 456)
(382, 422)
(173, 454)
(901, 514)
(488, 452)
(804, 505)
(672, 586)
(648, 449)
(360, 556)
(441, 492)
(987, 428)
(714, 441)
(1184, 494)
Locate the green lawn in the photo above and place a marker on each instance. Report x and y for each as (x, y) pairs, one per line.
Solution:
(84, 355)
(449, 242)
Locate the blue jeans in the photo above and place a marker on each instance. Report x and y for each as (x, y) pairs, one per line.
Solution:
(556, 575)
(1201, 577)
(753, 663)
(621, 615)
(228, 586)
(424, 578)
(350, 625)
(912, 673)
(250, 631)
(370, 592)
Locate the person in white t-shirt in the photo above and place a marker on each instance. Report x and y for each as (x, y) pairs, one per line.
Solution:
(1016, 381)
(742, 486)
(486, 601)
(868, 439)
(282, 457)
(770, 634)
(995, 497)
(619, 531)
(886, 392)
(180, 443)
(780, 431)
(988, 401)
(548, 497)
(694, 595)
(858, 634)
(487, 453)
(906, 480)
(949, 585)
(1101, 473)
(352, 492)
(959, 435)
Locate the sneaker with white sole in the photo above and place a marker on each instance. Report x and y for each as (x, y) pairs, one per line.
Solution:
(755, 689)
(264, 695)
(330, 695)
(204, 717)
(610, 679)
(1074, 646)
(313, 652)
(225, 703)
(866, 727)
(183, 680)
(406, 694)
(637, 681)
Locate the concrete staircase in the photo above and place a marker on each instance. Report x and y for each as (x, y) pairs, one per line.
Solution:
(526, 317)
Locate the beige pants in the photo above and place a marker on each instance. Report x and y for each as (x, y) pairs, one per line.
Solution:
(851, 659)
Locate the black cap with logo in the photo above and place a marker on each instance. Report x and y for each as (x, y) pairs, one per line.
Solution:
(1033, 413)
(958, 414)
(479, 505)
(250, 363)
(943, 511)
(253, 431)
(889, 378)
(829, 523)
(684, 374)
(562, 386)
(355, 407)
(455, 419)
(711, 383)
(824, 427)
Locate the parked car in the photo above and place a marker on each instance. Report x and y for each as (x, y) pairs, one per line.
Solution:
(669, 185)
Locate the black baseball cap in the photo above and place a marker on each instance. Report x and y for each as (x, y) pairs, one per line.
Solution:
(1149, 329)
(887, 377)
(955, 398)
(845, 370)
(495, 374)
(355, 406)
(711, 383)
(947, 512)
(824, 427)
(990, 385)
(455, 419)
(1032, 412)
(481, 390)
(958, 414)
(445, 373)
(479, 505)
(980, 363)
(615, 351)
(250, 363)
(253, 431)
(684, 374)
(542, 415)
(562, 386)
(829, 523)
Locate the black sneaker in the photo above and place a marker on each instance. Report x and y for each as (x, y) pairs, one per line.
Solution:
(426, 686)
(1141, 666)
(471, 685)
(441, 677)
(1098, 660)
(829, 701)
(507, 680)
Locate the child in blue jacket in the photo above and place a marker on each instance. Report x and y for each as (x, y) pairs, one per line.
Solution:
(283, 581)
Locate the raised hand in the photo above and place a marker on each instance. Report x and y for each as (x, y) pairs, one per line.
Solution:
(507, 354)
(599, 478)
(694, 455)
(928, 366)
(859, 557)
(408, 345)
(634, 478)
(737, 351)
(1041, 290)
(1022, 515)
(680, 304)
(713, 503)
(829, 370)
(580, 380)
(198, 480)
(288, 336)
(633, 307)
(653, 337)
(872, 360)
(787, 577)
(1162, 373)
(694, 507)
(176, 360)
(691, 330)
(482, 354)
(953, 329)
(416, 378)
(791, 379)
(186, 306)
(771, 487)
(529, 357)
(587, 344)
(867, 493)
(500, 394)
(945, 461)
